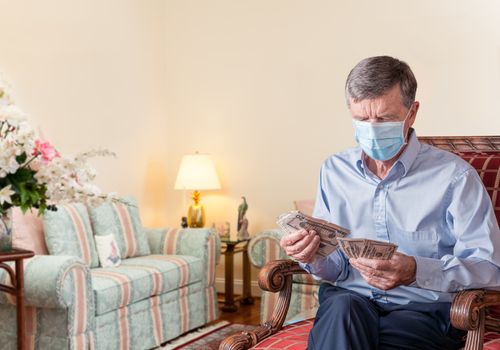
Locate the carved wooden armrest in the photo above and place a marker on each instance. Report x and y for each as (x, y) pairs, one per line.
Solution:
(468, 312)
(275, 276)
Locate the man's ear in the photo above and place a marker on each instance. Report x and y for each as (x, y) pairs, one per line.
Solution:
(413, 115)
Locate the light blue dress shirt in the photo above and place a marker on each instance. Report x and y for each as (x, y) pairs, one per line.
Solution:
(432, 204)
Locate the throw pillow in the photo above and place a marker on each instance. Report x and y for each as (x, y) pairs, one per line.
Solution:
(108, 251)
(27, 231)
(306, 206)
(68, 232)
(123, 222)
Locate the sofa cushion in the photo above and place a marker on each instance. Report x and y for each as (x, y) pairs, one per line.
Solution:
(68, 232)
(27, 231)
(305, 206)
(139, 278)
(124, 223)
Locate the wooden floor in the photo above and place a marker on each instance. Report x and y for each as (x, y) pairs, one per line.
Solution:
(246, 314)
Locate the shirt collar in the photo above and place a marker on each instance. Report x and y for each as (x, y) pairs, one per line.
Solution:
(406, 158)
(410, 153)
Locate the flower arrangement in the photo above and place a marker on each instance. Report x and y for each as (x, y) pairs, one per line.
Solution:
(33, 174)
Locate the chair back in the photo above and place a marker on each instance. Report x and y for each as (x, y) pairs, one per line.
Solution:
(482, 152)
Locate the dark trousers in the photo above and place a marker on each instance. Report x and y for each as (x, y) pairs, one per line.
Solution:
(348, 320)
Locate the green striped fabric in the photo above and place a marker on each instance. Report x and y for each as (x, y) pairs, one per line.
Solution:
(123, 221)
(68, 232)
(140, 278)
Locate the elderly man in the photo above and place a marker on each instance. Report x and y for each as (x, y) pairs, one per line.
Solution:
(429, 202)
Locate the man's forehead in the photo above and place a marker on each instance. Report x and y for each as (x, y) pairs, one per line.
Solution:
(388, 104)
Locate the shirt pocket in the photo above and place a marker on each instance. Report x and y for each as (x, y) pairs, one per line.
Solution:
(423, 243)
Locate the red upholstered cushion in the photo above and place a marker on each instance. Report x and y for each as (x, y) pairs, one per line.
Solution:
(487, 165)
(491, 341)
(291, 337)
(294, 337)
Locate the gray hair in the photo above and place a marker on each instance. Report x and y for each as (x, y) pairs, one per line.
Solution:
(374, 76)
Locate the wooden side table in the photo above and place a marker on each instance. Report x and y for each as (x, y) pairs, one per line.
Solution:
(17, 278)
(229, 248)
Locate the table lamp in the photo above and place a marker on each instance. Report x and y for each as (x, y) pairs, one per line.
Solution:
(197, 172)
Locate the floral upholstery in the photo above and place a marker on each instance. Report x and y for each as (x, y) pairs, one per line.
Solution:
(144, 302)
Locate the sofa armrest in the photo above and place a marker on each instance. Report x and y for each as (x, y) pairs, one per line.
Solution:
(276, 276)
(199, 242)
(156, 239)
(265, 247)
(53, 282)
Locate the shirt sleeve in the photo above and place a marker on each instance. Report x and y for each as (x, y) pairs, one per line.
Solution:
(475, 262)
(335, 266)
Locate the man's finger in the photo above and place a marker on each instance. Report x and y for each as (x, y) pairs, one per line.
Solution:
(292, 238)
(312, 248)
(302, 244)
(307, 255)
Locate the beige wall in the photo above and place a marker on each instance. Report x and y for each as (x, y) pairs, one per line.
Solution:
(258, 84)
(91, 74)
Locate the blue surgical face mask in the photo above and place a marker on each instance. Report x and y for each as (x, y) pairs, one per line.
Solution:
(380, 141)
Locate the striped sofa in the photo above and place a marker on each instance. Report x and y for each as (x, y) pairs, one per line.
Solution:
(144, 302)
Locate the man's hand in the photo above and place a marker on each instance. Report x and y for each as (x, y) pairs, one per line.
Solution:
(401, 269)
(301, 245)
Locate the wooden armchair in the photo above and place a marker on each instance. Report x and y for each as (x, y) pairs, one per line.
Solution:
(476, 311)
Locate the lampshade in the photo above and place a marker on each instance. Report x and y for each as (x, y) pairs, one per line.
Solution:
(197, 172)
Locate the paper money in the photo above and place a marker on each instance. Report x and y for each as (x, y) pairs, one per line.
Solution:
(295, 220)
(367, 248)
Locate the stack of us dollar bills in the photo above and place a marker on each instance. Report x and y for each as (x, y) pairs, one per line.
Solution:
(332, 236)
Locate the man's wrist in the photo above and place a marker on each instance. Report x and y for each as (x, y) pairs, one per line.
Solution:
(412, 272)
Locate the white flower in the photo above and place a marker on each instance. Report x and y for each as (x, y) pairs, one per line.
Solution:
(12, 113)
(5, 195)
(64, 179)
(8, 162)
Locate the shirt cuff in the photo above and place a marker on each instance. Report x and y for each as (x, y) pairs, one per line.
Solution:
(429, 273)
(313, 266)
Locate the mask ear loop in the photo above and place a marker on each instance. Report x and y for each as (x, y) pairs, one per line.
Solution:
(405, 137)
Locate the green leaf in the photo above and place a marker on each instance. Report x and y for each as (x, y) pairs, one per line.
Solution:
(22, 158)
(24, 195)
(21, 175)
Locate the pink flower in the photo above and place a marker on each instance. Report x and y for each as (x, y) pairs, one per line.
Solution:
(46, 150)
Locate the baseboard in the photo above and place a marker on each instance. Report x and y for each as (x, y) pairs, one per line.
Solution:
(238, 286)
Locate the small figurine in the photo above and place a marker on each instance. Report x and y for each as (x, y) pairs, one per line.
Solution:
(242, 209)
(242, 221)
(184, 222)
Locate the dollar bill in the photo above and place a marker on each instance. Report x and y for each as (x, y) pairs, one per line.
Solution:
(295, 220)
(367, 248)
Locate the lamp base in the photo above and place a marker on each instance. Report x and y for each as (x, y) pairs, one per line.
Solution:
(196, 216)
